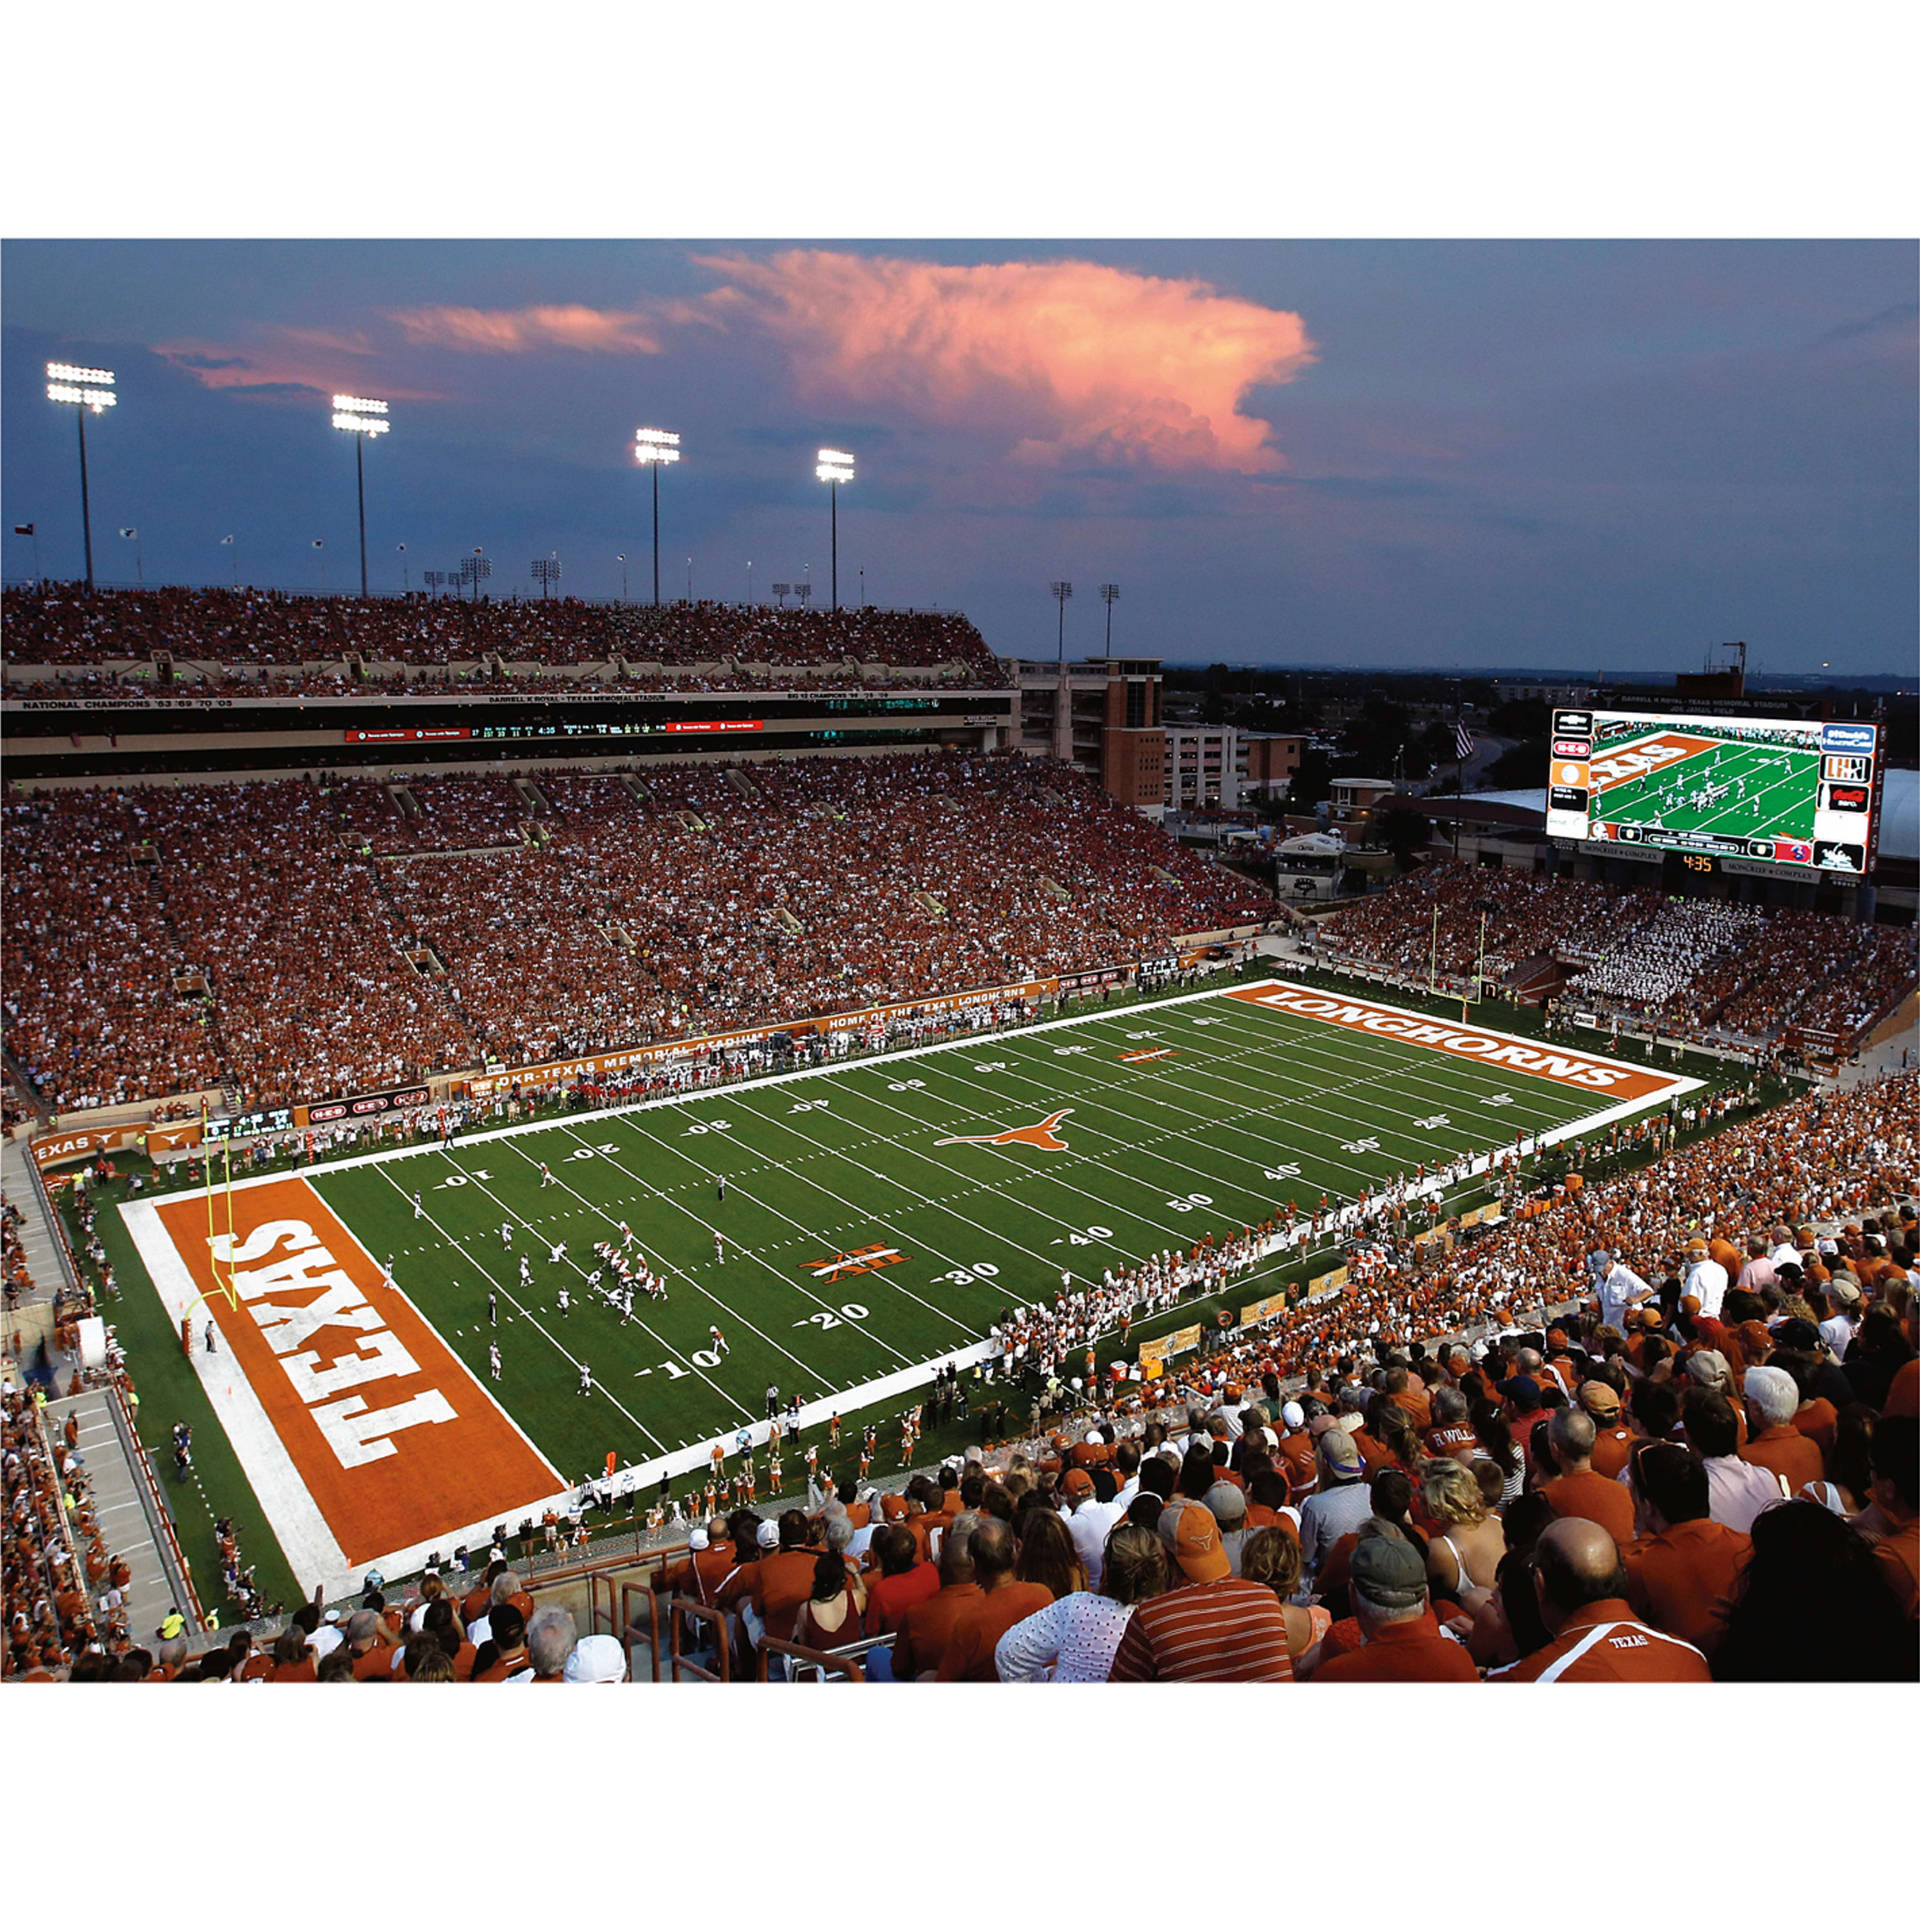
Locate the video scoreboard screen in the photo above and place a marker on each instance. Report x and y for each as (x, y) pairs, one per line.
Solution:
(1788, 793)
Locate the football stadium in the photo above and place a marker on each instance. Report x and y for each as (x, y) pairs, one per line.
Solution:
(560, 1136)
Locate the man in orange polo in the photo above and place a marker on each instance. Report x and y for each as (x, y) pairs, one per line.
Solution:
(1685, 1568)
(1613, 1438)
(1596, 1636)
(1004, 1603)
(776, 1584)
(1895, 1465)
(1577, 1491)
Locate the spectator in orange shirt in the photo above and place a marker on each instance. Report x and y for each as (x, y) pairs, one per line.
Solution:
(1581, 1588)
(921, 1643)
(1773, 1441)
(1388, 1582)
(1004, 1602)
(504, 1652)
(291, 1661)
(1684, 1568)
(904, 1580)
(1896, 1492)
(1599, 1400)
(1577, 1492)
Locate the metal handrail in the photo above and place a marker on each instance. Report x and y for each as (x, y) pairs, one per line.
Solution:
(719, 1619)
(845, 1663)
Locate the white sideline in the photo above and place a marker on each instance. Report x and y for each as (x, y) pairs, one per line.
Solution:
(310, 1548)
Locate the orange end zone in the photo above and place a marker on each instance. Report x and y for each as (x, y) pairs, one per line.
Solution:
(1542, 1059)
(395, 1440)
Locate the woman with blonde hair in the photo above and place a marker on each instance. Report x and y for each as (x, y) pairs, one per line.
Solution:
(1271, 1556)
(1467, 1541)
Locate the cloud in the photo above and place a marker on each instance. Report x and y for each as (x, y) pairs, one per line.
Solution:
(525, 329)
(284, 362)
(1066, 359)
(1065, 362)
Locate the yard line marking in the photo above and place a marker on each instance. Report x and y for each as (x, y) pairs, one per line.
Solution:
(502, 1289)
(682, 1273)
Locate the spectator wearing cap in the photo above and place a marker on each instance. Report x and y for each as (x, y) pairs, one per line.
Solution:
(1092, 1512)
(1619, 1290)
(1773, 1441)
(1294, 1451)
(599, 1660)
(1402, 1639)
(1341, 1504)
(1705, 1278)
(1076, 1637)
(921, 1642)
(1842, 1297)
(504, 1652)
(1212, 1627)
(1581, 1585)
(1004, 1601)
(1228, 1505)
(1737, 1490)
(1684, 1567)
(1576, 1491)
(1612, 1437)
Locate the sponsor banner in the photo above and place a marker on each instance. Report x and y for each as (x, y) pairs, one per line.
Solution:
(714, 726)
(1186, 1340)
(1835, 738)
(1539, 1059)
(1154, 1352)
(172, 1139)
(1480, 1216)
(368, 736)
(1572, 749)
(361, 1106)
(1846, 766)
(1579, 725)
(1586, 1020)
(1095, 977)
(51, 1149)
(1326, 1282)
(1854, 799)
(395, 1440)
(554, 1072)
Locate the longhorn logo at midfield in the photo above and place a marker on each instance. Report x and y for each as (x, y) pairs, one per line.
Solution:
(1042, 1134)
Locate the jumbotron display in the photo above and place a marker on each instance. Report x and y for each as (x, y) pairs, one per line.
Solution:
(1788, 792)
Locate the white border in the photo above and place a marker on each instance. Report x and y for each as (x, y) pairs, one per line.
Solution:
(310, 1548)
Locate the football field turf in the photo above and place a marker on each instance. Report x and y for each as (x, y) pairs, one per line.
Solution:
(871, 1223)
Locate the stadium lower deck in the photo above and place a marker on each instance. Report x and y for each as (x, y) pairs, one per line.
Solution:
(391, 1383)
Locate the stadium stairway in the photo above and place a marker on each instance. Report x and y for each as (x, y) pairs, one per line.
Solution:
(123, 1504)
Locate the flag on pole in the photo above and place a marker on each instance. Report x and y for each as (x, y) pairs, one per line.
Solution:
(27, 530)
(319, 543)
(1462, 741)
(226, 539)
(129, 533)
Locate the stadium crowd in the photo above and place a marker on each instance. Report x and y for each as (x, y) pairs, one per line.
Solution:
(1696, 968)
(246, 629)
(268, 937)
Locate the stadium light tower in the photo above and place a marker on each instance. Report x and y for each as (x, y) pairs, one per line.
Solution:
(1109, 593)
(475, 568)
(86, 390)
(359, 417)
(836, 469)
(656, 448)
(546, 571)
(1062, 590)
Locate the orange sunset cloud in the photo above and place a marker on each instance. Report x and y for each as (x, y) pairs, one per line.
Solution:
(520, 329)
(1072, 360)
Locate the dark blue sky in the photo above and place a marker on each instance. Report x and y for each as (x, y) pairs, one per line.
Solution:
(1505, 453)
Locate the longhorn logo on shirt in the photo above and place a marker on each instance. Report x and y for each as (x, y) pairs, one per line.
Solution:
(860, 1260)
(1043, 1134)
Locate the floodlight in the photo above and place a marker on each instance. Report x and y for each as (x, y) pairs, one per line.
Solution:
(836, 469)
(88, 390)
(655, 447)
(833, 466)
(354, 413)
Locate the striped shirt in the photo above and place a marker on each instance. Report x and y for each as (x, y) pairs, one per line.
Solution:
(1223, 1630)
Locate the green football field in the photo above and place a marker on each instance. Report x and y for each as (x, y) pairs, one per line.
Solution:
(1781, 787)
(1243, 1109)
